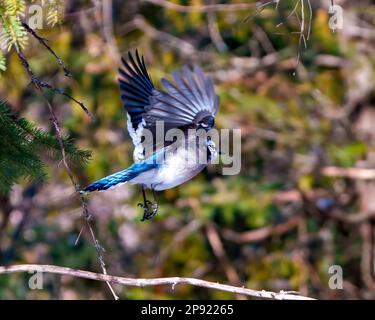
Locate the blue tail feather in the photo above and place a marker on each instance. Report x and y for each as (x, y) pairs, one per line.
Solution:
(120, 177)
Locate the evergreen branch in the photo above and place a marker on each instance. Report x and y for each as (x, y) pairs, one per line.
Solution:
(13, 33)
(22, 144)
(54, 12)
(15, 7)
(44, 140)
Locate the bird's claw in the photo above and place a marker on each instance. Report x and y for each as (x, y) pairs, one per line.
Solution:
(144, 205)
(148, 213)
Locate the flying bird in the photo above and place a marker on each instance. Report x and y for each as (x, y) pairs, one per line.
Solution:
(188, 103)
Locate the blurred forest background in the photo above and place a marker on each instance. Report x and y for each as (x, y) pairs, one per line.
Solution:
(305, 197)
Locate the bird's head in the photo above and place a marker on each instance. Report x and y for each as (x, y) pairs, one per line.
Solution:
(207, 123)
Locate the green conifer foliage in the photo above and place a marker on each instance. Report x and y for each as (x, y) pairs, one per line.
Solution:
(22, 146)
(12, 33)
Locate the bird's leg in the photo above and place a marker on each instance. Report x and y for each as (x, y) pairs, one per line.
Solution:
(154, 206)
(150, 208)
(144, 205)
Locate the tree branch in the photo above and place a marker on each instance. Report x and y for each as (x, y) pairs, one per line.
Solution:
(354, 173)
(204, 8)
(39, 84)
(43, 41)
(261, 233)
(140, 282)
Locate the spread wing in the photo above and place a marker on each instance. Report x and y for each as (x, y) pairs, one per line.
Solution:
(183, 103)
(186, 102)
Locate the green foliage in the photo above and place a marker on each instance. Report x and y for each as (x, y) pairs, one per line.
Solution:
(54, 13)
(2, 62)
(12, 32)
(15, 7)
(21, 146)
(347, 155)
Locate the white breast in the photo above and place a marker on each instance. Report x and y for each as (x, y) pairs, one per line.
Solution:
(179, 166)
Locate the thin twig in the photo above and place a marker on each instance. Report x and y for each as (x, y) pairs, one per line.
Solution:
(55, 122)
(259, 10)
(140, 282)
(310, 19)
(302, 37)
(43, 41)
(303, 21)
(42, 84)
(290, 13)
(98, 247)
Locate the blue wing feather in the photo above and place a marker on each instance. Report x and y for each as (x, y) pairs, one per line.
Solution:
(186, 102)
(136, 87)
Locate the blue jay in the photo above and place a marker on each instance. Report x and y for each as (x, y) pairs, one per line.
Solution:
(189, 103)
